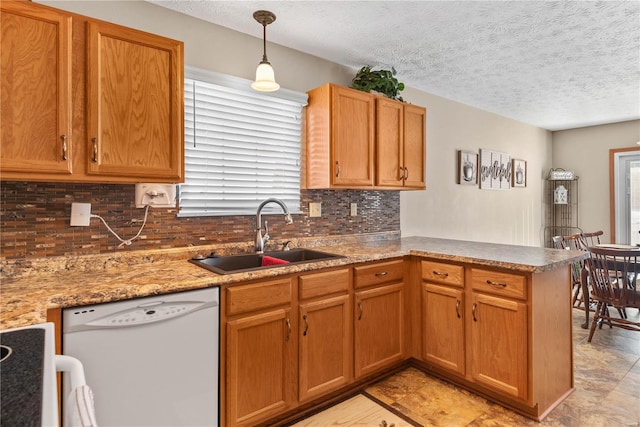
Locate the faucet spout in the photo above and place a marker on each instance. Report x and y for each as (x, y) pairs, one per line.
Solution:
(260, 239)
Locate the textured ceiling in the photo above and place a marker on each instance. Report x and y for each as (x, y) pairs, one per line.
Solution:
(552, 64)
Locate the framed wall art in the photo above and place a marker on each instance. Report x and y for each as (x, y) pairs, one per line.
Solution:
(519, 173)
(495, 170)
(467, 167)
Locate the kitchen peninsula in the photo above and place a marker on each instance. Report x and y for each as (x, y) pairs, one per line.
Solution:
(492, 318)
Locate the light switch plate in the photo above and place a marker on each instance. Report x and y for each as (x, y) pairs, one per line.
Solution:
(315, 209)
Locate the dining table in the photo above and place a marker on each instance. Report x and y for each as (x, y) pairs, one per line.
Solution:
(585, 274)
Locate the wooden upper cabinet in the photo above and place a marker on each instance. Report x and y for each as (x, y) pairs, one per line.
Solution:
(135, 105)
(389, 142)
(35, 118)
(358, 140)
(340, 138)
(400, 144)
(414, 146)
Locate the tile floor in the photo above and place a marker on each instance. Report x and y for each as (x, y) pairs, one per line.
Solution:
(607, 392)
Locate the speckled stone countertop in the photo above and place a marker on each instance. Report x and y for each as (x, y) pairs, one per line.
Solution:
(29, 288)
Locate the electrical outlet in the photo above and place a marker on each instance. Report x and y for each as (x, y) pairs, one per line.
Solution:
(80, 214)
(156, 195)
(354, 209)
(315, 209)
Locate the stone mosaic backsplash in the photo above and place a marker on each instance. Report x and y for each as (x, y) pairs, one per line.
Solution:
(34, 220)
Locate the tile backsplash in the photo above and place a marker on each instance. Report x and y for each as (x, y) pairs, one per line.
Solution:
(34, 220)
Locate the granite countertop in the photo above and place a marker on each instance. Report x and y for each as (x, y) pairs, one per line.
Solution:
(29, 288)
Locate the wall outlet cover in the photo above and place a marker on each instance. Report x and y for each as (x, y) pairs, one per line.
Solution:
(156, 195)
(80, 214)
(354, 209)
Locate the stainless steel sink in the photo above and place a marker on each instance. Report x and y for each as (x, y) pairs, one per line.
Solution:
(249, 262)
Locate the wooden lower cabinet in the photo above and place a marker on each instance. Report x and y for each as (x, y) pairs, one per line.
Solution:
(503, 334)
(260, 351)
(499, 344)
(325, 338)
(325, 346)
(379, 328)
(443, 327)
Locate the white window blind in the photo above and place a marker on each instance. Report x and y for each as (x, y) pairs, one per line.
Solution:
(241, 146)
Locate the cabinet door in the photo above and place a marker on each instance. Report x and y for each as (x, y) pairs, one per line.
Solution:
(443, 327)
(389, 142)
(135, 104)
(499, 344)
(351, 137)
(414, 146)
(325, 346)
(379, 328)
(35, 123)
(260, 361)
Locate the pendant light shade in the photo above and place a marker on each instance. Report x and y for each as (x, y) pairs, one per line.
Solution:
(265, 78)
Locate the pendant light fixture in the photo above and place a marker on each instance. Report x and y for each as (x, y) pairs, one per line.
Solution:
(265, 79)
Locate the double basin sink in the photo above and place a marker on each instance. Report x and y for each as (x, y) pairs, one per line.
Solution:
(251, 262)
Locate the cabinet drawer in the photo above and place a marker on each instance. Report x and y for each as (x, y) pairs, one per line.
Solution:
(319, 284)
(443, 273)
(497, 283)
(375, 274)
(257, 296)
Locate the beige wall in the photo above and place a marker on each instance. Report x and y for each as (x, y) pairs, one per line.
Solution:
(445, 209)
(450, 210)
(586, 152)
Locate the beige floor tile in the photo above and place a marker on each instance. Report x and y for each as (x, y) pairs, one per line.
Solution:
(358, 411)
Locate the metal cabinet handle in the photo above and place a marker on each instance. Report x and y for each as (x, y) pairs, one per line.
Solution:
(500, 284)
(437, 273)
(288, 322)
(94, 141)
(64, 146)
(381, 274)
(473, 312)
(337, 168)
(402, 173)
(458, 309)
(406, 174)
(359, 310)
(306, 325)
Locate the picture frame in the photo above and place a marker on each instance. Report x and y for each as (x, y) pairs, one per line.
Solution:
(467, 167)
(495, 170)
(519, 173)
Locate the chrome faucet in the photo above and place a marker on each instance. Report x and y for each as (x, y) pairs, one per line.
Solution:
(260, 239)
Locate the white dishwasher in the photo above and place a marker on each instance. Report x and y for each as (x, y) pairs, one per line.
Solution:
(151, 361)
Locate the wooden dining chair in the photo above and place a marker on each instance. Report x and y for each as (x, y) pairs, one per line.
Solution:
(590, 238)
(573, 242)
(613, 275)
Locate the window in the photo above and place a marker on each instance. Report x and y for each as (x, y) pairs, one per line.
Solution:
(241, 146)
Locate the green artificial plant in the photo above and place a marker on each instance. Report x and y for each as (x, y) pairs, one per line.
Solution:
(382, 81)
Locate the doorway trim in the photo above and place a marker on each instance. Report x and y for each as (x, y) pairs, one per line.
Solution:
(612, 189)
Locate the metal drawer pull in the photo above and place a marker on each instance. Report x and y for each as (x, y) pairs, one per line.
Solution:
(64, 146)
(288, 329)
(359, 310)
(94, 158)
(458, 308)
(501, 284)
(306, 325)
(473, 312)
(437, 273)
(381, 274)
